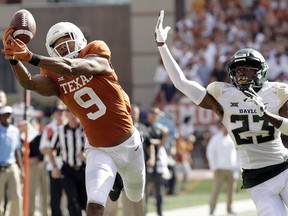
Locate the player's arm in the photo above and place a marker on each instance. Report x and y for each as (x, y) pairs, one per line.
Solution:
(16, 50)
(39, 83)
(90, 65)
(284, 110)
(279, 121)
(197, 93)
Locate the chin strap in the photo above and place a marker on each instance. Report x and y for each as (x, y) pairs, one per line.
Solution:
(245, 87)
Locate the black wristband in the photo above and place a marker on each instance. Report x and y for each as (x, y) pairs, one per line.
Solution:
(160, 44)
(35, 60)
(13, 61)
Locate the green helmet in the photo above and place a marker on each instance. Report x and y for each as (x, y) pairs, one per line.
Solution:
(250, 58)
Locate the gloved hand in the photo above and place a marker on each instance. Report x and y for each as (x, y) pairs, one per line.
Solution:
(7, 34)
(14, 48)
(160, 33)
(253, 97)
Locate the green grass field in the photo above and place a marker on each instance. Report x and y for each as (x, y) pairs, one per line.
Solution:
(197, 193)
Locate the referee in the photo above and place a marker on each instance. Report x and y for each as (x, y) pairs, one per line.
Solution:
(69, 140)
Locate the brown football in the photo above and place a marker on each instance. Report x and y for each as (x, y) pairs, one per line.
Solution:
(24, 25)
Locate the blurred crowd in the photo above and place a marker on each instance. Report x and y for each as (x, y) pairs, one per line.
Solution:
(206, 38)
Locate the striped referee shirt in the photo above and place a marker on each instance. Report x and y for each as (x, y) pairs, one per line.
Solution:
(70, 142)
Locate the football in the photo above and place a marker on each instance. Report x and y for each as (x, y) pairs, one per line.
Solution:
(24, 25)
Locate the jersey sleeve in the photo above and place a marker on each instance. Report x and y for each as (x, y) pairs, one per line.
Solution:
(215, 89)
(282, 92)
(97, 47)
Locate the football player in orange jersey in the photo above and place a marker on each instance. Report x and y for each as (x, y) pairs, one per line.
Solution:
(83, 77)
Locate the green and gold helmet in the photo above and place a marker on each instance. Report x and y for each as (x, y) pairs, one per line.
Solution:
(251, 58)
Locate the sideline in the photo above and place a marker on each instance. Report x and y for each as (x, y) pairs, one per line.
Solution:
(200, 174)
(241, 207)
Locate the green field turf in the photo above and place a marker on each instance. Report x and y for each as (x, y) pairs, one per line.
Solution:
(197, 193)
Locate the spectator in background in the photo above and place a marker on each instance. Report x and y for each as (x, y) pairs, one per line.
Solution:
(282, 78)
(168, 93)
(275, 65)
(184, 148)
(3, 98)
(158, 168)
(3, 102)
(19, 109)
(217, 28)
(38, 180)
(186, 128)
(202, 69)
(160, 77)
(69, 140)
(186, 54)
(170, 181)
(223, 161)
(11, 165)
(56, 189)
(190, 73)
(219, 73)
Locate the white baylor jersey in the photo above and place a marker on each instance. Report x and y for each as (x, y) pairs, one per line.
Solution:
(258, 142)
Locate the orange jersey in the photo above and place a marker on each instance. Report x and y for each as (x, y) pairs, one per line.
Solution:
(98, 101)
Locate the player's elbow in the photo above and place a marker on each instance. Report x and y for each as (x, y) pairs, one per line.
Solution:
(178, 85)
(27, 84)
(66, 67)
(67, 70)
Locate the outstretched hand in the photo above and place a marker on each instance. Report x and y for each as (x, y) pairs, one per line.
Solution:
(160, 33)
(253, 97)
(7, 34)
(15, 49)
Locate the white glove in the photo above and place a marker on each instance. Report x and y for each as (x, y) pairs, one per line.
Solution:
(253, 97)
(160, 33)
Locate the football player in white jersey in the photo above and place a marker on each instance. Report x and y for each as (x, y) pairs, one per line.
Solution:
(254, 111)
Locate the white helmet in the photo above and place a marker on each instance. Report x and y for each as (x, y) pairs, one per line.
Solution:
(62, 29)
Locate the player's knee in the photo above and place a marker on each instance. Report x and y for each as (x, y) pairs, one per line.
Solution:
(97, 198)
(135, 197)
(95, 209)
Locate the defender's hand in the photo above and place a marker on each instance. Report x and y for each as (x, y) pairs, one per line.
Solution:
(160, 33)
(17, 50)
(257, 100)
